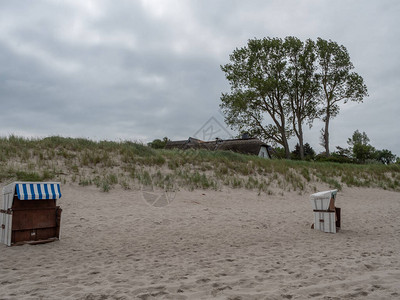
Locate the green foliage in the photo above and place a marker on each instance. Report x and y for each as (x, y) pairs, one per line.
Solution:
(258, 89)
(28, 176)
(278, 153)
(302, 86)
(290, 82)
(145, 178)
(334, 157)
(358, 138)
(385, 156)
(338, 83)
(105, 186)
(112, 179)
(360, 148)
(33, 176)
(363, 152)
(309, 152)
(306, 174)
(158, 144)
(130, 150)
(342, 152)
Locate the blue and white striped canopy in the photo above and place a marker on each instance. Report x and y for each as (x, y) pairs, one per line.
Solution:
(38, 191)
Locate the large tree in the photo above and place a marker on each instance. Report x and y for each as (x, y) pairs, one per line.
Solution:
(338, 83)
(303, 87)
(258, 90)
(277, 86)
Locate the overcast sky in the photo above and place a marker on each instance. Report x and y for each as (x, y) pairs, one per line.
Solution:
(140, 70)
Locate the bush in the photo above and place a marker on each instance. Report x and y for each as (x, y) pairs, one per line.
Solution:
(363, 152)
(278, 152)
(158, 144)
(334, 158)
(385, 156)
(309, 152)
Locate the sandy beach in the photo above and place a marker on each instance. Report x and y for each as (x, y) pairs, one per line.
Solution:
(230, 244)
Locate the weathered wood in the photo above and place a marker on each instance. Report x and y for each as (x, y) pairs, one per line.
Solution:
(34, 221)
(338, 217)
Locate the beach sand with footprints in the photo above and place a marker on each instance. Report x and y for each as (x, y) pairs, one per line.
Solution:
(229, 244)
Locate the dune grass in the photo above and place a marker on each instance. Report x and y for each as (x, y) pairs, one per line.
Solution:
(106, 164)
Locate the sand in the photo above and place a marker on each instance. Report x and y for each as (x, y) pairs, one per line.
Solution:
(231, 244)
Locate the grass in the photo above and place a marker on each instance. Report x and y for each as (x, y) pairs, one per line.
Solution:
(107, 164)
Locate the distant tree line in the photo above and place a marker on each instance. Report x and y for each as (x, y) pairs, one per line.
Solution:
(279, 86)
(360, 151)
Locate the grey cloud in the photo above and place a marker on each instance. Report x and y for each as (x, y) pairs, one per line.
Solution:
(124, 70)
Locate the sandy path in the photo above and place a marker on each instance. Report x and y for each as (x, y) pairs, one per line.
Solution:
(206, 244)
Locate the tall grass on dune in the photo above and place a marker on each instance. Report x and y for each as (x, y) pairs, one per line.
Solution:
(106, 164)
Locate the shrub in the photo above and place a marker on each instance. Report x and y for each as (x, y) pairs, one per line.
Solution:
(385, 156)
(333, 158)
(309, 152)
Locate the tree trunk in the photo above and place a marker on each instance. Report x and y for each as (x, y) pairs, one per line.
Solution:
(282, 130)
(301, 142)
(298, 130)
(286, 146)
(326, 133)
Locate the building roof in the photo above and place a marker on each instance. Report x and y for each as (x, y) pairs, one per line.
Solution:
(245, 146)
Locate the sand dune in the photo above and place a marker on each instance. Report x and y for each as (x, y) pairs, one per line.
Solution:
(232, 244)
